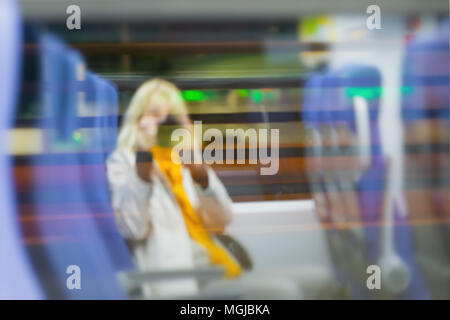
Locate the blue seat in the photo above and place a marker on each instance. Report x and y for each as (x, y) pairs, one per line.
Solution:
(69, 192)
(425, 105)
(333, 107)
(17, 279)
(365, 81)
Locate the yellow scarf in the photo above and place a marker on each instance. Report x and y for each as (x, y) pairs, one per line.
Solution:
(195, 228)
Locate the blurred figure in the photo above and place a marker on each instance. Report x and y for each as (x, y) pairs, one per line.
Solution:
(169, 212)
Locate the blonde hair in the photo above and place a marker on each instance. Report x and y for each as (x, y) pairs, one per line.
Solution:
(147, 92)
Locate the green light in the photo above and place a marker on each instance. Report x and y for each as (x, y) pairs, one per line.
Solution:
(366, 93)
(243, 93)
(77, 136)
(193, 95)
(373, 92)
(257, 96)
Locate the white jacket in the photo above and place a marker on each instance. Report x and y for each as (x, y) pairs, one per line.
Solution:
(149, 216)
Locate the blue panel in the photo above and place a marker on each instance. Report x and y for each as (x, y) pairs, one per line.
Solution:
(17, 280)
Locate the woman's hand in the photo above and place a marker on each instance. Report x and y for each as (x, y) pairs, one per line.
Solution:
(148, 129)
(199, 173)
(144, 165)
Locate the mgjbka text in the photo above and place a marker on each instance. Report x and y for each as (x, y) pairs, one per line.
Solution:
(246, 309)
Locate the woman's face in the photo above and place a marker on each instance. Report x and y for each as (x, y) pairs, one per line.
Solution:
(155, 113)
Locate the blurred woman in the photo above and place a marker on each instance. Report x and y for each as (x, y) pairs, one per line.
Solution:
(168, 211)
